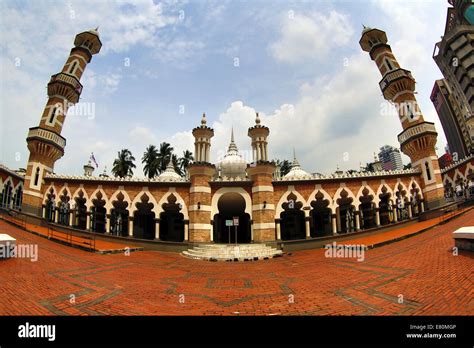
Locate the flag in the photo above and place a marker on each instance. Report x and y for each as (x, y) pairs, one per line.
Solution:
(93, 160)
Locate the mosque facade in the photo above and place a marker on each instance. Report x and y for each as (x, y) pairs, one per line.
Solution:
(265, 206)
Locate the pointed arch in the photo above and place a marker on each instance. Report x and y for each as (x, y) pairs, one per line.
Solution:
(360, 194)
(8, 179)
(324, 193)
(93, 196)
(448, 179)
(46, 193)
(76, 195)
(417, 185)
(458, 175)
(61, 190)
(337, 195)
(126, 198)
(468, 166)
(179, 199)
(279, 207)
(138, 199)
(387, 186)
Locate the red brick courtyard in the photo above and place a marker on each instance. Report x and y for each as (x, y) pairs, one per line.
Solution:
(421, 270)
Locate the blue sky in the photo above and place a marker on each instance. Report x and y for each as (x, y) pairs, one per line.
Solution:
(296, 62)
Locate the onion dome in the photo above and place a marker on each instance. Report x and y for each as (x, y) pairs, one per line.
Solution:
(169, 174)
(233, 164)
(296, 172)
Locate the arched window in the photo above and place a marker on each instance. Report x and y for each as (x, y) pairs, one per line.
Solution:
(73, 68)
(37, 176)
(428, 172)
(389, 65)
(53, 113)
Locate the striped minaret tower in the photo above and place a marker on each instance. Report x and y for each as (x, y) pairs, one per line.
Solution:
(418, 138)
(261, 173)
(201, 172)
(45, 143)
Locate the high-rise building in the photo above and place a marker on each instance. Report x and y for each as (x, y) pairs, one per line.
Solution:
(452, 119)
(418, 138)
(454, 55)
(391, 158)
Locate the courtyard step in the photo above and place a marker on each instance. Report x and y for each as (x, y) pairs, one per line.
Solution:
(233, 252)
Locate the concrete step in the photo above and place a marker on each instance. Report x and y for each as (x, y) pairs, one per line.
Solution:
(235, 252)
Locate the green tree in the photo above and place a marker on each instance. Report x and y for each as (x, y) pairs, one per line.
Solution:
(176, 165)
(164, 156)
(186, 160)
(284, 165)
(150, 161)
(123, 165)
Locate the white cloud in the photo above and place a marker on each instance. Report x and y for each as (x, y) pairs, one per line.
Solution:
(311, 37)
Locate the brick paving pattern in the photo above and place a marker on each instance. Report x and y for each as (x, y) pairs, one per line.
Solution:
(421, 268)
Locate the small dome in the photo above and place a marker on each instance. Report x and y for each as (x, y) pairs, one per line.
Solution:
(94, 31)
(169, 174)
(296, 172)
(233, 164)
(365, 29)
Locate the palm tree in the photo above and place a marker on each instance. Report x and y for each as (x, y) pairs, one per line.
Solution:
(150, 161)
(123, 164)
(186, 160)
(164, 156)
(285, 166)
(175, 162)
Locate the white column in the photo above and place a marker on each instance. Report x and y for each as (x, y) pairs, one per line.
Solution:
(395, 213)
(88, 220)
(186, 231)
(157, 229)
(56, 215)
(107, 224)
(277, 224)
(377, 217)
(208, 153)
(410, 214)
(212, 232)
(334, 224)
(70, 218)
(422, 206)
(357, 217)
(130, 227)
(306, 224)
(203, 152)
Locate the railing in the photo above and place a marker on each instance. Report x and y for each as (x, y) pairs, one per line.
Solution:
(416, 130)
(393, 75)
(68, 235)
(42, 133)
(13, 217)
(69, 80)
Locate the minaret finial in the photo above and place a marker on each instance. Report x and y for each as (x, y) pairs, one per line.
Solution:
(257, 119)
(203, 120)
(294, 154)
(232, 135)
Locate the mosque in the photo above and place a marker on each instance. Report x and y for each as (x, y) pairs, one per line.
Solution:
(171, 212)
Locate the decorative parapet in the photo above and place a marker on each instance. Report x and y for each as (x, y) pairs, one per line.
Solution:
(425, 127)
(230, 179)
(114, 179)
(457, 164)
(47, 135)
(394, 75)
(20, 176)
(352, 175)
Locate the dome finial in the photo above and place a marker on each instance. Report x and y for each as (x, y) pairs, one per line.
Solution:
(232, 135)
(257, 118)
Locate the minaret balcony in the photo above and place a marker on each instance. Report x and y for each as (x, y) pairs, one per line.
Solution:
(37, 133)
(416, 131)
(65, 85)
(396, 75)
